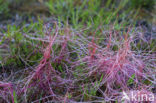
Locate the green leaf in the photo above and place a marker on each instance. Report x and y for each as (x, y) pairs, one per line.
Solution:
(15, 97)
(131, 80)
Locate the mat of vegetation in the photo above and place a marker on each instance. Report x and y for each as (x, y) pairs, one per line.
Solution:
(76, 50)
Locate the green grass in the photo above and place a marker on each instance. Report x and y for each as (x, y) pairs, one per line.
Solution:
(4, 7)
(88, 13)
(87, 17)
(15, 97)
